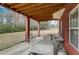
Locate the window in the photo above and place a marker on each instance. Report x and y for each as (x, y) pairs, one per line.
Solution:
(74, 28)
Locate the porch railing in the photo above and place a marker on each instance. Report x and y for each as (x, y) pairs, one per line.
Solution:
(57, 42)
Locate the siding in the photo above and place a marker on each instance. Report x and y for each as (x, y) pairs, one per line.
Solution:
(65, 30)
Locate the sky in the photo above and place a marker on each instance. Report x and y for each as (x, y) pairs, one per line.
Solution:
(53, 22)
(3, 10)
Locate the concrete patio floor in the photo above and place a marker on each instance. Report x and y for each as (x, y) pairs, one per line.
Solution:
(36, 45)
(22, 48)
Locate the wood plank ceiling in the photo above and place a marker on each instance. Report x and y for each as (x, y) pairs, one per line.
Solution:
(37, 11)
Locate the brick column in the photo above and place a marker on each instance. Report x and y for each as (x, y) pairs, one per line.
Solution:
(27, 29)
(60, 28)
(38, 28)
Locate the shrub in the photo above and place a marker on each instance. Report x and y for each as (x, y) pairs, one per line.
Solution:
(9, 28)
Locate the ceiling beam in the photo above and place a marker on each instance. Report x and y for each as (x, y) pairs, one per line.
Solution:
(28, 7)
(48, 20)
(39, 13)
(44, 12)
(18, 5)
(33, 7)
(44, 7)
(10, 3)
(42, 17)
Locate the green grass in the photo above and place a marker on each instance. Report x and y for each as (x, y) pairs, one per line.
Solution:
(10, 39)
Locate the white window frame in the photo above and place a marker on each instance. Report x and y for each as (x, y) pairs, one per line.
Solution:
(77, 7)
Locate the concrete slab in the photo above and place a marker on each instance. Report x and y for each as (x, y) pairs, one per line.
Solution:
(44, 47)
(20, 48)
(37, 45)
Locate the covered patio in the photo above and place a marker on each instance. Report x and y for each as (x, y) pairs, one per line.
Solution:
(40, 12)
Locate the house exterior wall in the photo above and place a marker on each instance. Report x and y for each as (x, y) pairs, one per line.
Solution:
(65, 29)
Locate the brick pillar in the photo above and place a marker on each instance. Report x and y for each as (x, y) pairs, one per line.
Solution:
(38, 28)
(27, 29)
(60, 28)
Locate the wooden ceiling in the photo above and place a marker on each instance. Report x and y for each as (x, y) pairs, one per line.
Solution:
(37, 11)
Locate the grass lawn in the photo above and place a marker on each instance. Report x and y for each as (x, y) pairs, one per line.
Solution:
(10, 39)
